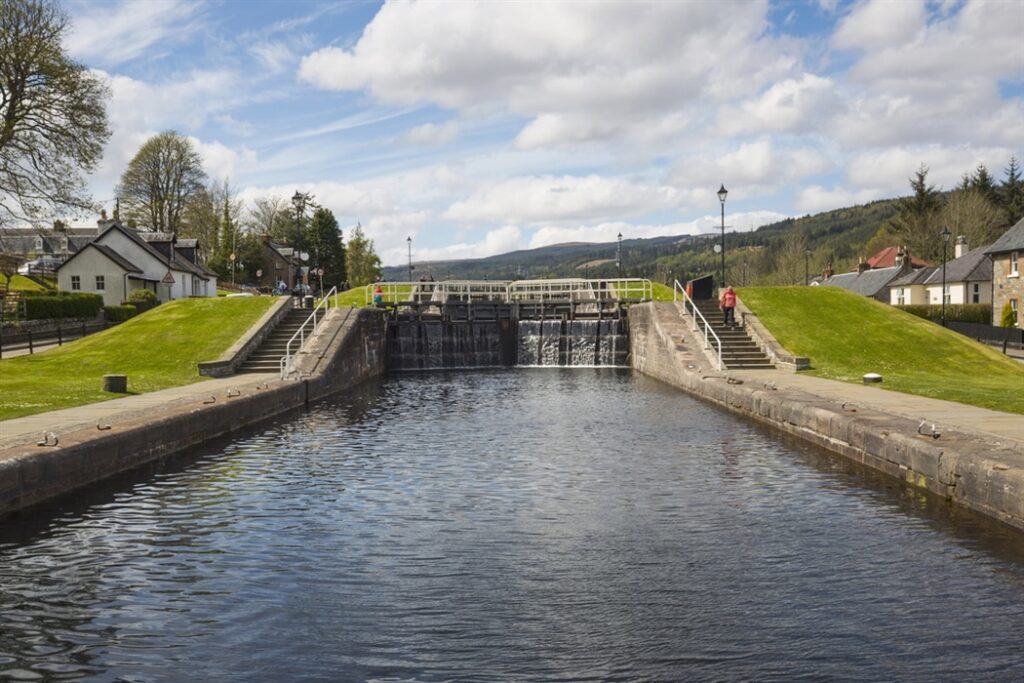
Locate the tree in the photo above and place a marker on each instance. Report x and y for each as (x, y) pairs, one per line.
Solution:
(53, 122)
(971, 214)
(325, 247)
(1007, 316)
(1011, 193)
(791, 259)
(983, 182)
(916, 221)
(273, 217)
(250, 257)
(362, 263)
(160, 180)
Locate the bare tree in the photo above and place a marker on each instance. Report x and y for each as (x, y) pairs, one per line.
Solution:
(53, 123)
(272, 216)
(790, 260)
(972, 214)
(160, 180)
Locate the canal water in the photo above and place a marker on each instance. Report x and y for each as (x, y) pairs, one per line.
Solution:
(529, 525)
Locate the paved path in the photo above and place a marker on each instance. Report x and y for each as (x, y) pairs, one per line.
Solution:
(941, 413)
(31, 427)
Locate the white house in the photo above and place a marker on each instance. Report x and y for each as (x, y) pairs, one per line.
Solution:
(968, 278)
(120, 259)
(909, 289)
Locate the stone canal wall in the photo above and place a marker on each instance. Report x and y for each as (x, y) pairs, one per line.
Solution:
(348, 349)
(967, 468)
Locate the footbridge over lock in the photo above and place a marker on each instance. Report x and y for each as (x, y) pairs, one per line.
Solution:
(526, 323)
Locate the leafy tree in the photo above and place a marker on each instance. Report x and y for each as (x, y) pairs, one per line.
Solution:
(361, 261)
(53, 123)
(1007, 318)
(165, 174)
(1011, 193)
(325, 247)
(916, 221)
(250, 257)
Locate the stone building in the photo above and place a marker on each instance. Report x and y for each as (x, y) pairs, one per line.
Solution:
(1007, 254)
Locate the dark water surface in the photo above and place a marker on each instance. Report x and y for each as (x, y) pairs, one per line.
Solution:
(509, 525)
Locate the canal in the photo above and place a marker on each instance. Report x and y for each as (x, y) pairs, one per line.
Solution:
(547, 524)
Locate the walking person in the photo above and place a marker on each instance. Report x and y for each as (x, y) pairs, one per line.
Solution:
(727, 302)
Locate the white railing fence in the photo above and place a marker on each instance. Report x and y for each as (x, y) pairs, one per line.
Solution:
(572, 289)
(308, 328)
(679, 292)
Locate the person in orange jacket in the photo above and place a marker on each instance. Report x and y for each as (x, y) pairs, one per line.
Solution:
(727, 302)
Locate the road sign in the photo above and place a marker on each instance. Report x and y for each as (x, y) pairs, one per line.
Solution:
(168, 279)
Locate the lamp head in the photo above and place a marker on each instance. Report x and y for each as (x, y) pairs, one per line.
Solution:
(722, 194)
(946, 234)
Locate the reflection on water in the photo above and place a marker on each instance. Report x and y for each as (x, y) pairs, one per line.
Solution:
(509, 525)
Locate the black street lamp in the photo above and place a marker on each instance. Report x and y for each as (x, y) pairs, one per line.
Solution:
(408, 241)
(722, 194)
(807, 267)
(618, 256)
(946, 234)
(299, 201)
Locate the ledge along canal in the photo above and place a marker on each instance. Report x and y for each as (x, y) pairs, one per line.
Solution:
(532, 524)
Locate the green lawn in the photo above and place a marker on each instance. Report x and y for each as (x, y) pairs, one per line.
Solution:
(157, 349)
(847, 335)
(20, 283)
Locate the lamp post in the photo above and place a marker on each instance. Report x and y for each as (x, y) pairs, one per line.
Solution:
(807, 267)
(299, 201)
(618, 256)
(408, 242)
(722, 194)
(945, 240)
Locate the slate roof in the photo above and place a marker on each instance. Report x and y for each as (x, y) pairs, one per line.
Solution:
(974, 266)
(914, 277)
(868, 283)
(178, 263)
(121, 261)
(1012, 240)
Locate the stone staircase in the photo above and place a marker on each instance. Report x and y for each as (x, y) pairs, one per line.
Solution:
(267, 357)
(739, 351)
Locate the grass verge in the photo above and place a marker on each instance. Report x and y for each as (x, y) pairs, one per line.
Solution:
(158, 349)
(20, 283)
(847, 335)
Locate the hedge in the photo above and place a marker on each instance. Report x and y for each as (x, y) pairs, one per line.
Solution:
(145, 295)
(967, 313)
(118, 314)
(63, 305)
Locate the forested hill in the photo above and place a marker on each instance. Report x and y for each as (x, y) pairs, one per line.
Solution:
(774, 253)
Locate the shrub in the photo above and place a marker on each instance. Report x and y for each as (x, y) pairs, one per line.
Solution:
(145, 295)
(1007, 316)
(62, 305)
(967, 313)
(118, 314)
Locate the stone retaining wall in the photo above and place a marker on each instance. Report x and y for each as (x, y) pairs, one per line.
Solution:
(962, 467)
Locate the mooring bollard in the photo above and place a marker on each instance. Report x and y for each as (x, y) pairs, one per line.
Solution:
(115, 384)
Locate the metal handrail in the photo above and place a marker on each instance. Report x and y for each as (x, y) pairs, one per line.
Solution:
(288, 358)
(678, 288)
(577, 289)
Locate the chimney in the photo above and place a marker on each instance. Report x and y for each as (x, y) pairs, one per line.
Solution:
(961, 246)
(901, 257)
(828, 272)
(862, 265)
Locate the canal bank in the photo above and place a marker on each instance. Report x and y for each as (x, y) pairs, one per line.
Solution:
(46, 455)
(976, 459)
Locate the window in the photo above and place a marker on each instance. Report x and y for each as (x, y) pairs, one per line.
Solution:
(901, 296)
(76, 282)
(1013, 306)
(100, 285)
(64, 244)
(1013, 264)
(976, 297)
(39, 245)
(945, 295)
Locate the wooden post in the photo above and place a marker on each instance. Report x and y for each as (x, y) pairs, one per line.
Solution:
(30, 349)
(116, 384)
(60, 337)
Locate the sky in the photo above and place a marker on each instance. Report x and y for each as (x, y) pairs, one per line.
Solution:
(481, 128)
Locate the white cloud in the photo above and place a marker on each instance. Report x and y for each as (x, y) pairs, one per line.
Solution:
(889, 170)
(111, 34)
(542, 199)
(432, 134)
(754, 168)
(880, 23)
(817, 198)
(220, 161)
(497, 241)
(794, 104)
(275, 56)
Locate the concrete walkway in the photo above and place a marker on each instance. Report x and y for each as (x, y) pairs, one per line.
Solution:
(129, 408)
(944, 414)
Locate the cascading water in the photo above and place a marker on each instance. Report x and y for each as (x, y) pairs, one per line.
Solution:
(438, 345)
(581, 343)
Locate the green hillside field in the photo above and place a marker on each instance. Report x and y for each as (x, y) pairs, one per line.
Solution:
(157, 349)
(847, 335)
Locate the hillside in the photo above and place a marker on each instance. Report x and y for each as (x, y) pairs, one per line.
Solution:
(846, 335)
(752, 257)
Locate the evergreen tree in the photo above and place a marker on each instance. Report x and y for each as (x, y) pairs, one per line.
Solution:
(1011, 193)
(916, 222)
(326, 248)
(983, 182)
(362, 262)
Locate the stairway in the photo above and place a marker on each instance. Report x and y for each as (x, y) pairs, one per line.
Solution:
(267, 356)
(739, 351)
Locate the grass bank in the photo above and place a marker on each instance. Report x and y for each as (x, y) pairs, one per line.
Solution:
(158, 349)
(20, 283)
(847, 335)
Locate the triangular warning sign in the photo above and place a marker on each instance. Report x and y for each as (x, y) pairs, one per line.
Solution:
(168, 279)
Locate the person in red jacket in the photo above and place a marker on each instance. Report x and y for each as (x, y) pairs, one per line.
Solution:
(727, 302)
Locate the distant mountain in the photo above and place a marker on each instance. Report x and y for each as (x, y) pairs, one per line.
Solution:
(771, 254)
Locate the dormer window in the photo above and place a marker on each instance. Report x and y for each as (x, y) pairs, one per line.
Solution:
(64, 244)
(39, 243)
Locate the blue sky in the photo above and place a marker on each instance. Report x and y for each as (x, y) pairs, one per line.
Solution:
(479, 128)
